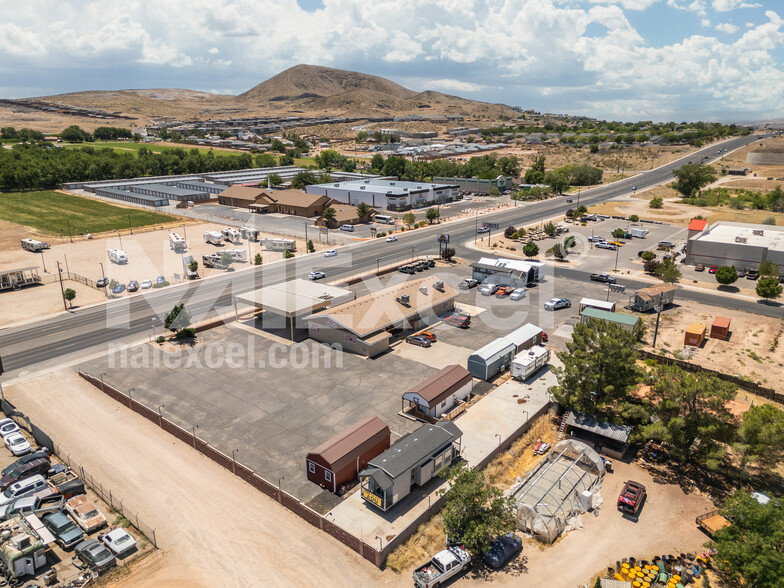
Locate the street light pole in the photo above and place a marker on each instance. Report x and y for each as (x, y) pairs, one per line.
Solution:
(194, 434)
(60, 275)
(234, 461)
(120, 236)
(130, 226)
(617, 251)
(43, 261)
(70, 236)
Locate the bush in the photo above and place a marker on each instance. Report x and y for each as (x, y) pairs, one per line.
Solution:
(769, 220)
(185, 334)
(656, 202)
(287, 254)
(648, 256)
(509, 232)
(161, 339)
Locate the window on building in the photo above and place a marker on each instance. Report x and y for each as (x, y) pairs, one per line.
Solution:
(311, 467)
(327, 475)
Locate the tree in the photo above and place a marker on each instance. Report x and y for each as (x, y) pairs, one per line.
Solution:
(177, 319)
(726, 275)
(431, 214)
(266, 160)
(749, 549)
(656, 202)
(558, 180)
(634, 218)
(310, 246)
(363, 210)
(409, 219)
(377, 163)
(286, 159)
(226, 258)
(768, 269)
(492, 191)
(531, 249)
(510, 232)
(193, 266)
(475, 512)
(761, 436)
(692, 177)
(303, 179)
(328, 214)
(275, 180)
(768, 288)
(549, 230)
(257, 259)
(648, 256)
(599, 367)
(667, 271)
(619, 233)
(69, 295)
(287, 254)
(448, 253)
(362, 136)
(535, 174)
(75, 134)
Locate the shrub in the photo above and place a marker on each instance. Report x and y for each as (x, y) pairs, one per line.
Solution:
(185, 333)
(287, 254)
(161, 339)
(509, 232)
(769, 220)
(656, 202)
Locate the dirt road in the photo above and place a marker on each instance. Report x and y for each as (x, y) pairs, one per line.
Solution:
(214, 530)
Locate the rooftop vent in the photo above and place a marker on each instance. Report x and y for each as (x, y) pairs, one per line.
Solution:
(439, 285)
(759, 232)
(403, 299)
(423, 289)
(740, 239)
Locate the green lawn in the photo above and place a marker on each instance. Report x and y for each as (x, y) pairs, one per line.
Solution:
(50, 212)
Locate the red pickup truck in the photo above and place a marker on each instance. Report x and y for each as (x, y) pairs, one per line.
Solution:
(631, 498)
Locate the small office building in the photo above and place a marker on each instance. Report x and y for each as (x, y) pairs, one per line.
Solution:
(647, 299)
(339, 460)
(497, 355)
(240, 196)
(17, 278)
(439, 394)
(414, 460)
(626, 321)
(513, 272)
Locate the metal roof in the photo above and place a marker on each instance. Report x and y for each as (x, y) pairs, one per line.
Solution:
(134, 195)
(613, 317)
(439, 385)
(502, 345)
(295, 297)
(590, 423)
(348, 441)
(411, 449)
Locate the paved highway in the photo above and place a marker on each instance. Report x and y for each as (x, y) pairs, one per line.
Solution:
(52, 337)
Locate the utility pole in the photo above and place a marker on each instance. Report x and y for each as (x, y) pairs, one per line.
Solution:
(120, 236)
(70, 236)
(658, 314)
(43, 261)
(60, 274)
(617, 251)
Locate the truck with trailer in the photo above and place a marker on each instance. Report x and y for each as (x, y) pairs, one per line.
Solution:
(638, 232)
(176, 242)
(117, 255)
(231, 235)
(213, 237)
(445, 564)
(33, 245)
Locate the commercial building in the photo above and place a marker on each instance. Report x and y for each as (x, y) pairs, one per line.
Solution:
(240, 196)
(738, 244)
(263, 200)
(339, 460)
(363, 326)
(626, 321)
(439, 394)
(127, 196)
(414, 460)
(497, 355)
(17, 278)
(478, 186)
(513, 272)
(389, 194)
(650, 298)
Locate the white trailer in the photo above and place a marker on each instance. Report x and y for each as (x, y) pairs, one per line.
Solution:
(117, 255)
(250, 233)
(33, 245)
(237, 254)
(213, 237)
(638, 232)
(279, 244)
(176, 242)
(598, 304)
(231, 235)
(528, 362)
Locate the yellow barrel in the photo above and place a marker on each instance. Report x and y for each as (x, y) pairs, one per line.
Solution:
(618, 577)
(646, 567)
(646, 585)
(625, 565)
(636, 584)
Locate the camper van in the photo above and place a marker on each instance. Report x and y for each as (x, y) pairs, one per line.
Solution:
(213, 237)
(526, 363)
(638, 232)
(237, 254)
(384, 219)
(176, 242)
(231, 235)
(117, 255)
(33, 245)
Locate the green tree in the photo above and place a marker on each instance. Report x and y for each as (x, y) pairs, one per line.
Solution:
(648, 256)
(286, 159)
(668, 272)
(768, 269)
(726, 275)
(311, 247)
(377, 163)
(531, 249)
(409, 219)
(656, 202)
(619, 233)
(599, 367)
(226, 259)
(510, 232)
(535, 174)
(363, 210)
(492, 191)
(768, 288)
(749, 549)
(257, 259)
(328, 214)
(75, 134)
(266, 160)
(177, 319)
(287, 254)
(193, 266)
(692, 177)
(447, 253)
(558, 180)
(475, 512)
(69, 295)
(634, 218)
(395, 166)
(275, 180)
(761, 436)
(303, 179)
(549, 230)
(431, 214)
(362, 136)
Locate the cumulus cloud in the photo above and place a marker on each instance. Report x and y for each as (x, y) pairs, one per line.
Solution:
(453, 85)
(727, 5)
(727, 27)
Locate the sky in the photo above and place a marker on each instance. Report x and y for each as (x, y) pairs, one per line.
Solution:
(661, 60)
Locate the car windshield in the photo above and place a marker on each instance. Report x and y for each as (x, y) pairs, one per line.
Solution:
(100, 554)
(89, 515)
(9, 493)
(16, 440)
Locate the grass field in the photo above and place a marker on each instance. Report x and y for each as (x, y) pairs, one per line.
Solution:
(50, 213)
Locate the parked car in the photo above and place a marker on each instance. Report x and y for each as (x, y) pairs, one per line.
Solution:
(595, 239)
(133, 286)
(146, 284)
(606, 278)
(8, 426)
(518, 294)
(556, 303)
(545, 337)
(752, 275)
(606, 245)
(569, 200)
(39, 465)
(119, 541)
(347, 228)
(102, 283)
(85, 514)
(483, 230)
(699, 268)
(503, 549)
(64, 530)
(38, 453)
(391, 239)
(22, 488)
(418, 340)
(458, 320)
(631, 498)
(503, 291)
(467, 284)
(316, 275)
(66, 483)
(666, 244)
(713, 269)
(94, 555)
(160, 280)
(428, 335)
(488, 289)
(469, 198)
(330, 253)
(118, 289)
(16, 443)
(35, 505)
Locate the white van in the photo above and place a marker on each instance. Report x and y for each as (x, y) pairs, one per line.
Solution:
(21, 488)
(117, 255)
(330, 253)
(349, 228)
(385, 219)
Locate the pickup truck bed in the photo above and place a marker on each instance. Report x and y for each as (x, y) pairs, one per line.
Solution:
(444, 565)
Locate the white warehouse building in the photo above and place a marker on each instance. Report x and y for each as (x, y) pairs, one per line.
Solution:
(389, 194)
(739, 244)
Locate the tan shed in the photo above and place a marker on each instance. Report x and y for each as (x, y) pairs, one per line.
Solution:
(695, 335)
(720, 329)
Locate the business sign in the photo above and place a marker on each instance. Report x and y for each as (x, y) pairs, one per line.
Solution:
(370, 497)
(323, 230)
(493, 226)
(443, 238)
(373, 231)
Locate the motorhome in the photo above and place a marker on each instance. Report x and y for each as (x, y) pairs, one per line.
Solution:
(279, 244)
(237, 254)
(117, 255)
(384, 219)
(249, 233)
(231, 235)
(176, 242)
(33, 245)
(213, 237)
(638, 232)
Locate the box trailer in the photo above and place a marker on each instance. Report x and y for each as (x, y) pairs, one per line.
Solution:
(528, 362)
(279, 244)
(598, 304)
(213, 237)
(117, 255)
(638, 232)
(231, 235)
(249, 233)
(33, 245)
(176, 242)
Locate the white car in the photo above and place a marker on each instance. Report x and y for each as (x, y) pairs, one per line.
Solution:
(595, 239)
(556, 303)
(488, 289)
(391, 239)
(17, 444)
(316, 275)
(330, 253)
(606, 245)
(119, 541)
(483, 230)
(469, 198)
(518, 294)
(146, 284)
(8, 426)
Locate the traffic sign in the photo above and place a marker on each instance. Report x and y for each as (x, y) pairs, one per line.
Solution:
(493, 226)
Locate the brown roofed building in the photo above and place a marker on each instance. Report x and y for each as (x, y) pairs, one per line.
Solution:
(241, 196)
(344, 215)
(649, 298)
(338, 460)
(297, 203)
(439, 393)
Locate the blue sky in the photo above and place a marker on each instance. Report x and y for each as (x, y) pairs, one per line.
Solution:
(614, 59)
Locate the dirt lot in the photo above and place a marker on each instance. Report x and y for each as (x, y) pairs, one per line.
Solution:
(753, 349)
(214, 530)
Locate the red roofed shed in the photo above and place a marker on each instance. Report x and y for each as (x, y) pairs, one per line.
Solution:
(696, 226)
(720, 329)
(339, 460)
